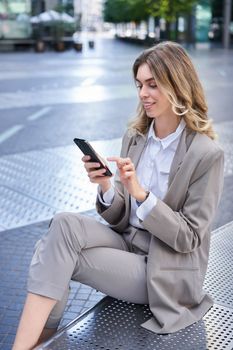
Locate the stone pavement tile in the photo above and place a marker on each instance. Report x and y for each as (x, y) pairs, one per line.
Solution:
(16, 249)
(6, 346)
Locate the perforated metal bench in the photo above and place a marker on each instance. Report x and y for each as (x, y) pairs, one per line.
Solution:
(115, 325)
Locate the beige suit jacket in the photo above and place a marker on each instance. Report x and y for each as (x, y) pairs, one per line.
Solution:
(180, 229)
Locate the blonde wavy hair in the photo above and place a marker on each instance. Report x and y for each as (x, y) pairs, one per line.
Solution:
(176, 77)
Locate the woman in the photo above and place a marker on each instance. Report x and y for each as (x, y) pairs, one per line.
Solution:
(167, 187)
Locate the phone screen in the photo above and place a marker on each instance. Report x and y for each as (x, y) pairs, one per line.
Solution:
(87, 149)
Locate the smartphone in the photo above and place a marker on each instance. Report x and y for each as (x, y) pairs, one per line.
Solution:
(88, 150)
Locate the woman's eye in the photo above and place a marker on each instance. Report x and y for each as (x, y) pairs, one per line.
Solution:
(138, 86)
(153, 86)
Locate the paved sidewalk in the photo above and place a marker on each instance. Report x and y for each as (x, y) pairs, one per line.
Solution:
(15, 255)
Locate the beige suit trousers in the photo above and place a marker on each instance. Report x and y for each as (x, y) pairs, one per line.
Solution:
(79, 248)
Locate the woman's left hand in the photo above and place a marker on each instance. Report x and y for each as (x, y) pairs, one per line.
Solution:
(128, 177)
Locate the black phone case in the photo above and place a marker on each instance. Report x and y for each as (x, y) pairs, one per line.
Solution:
(88, 150)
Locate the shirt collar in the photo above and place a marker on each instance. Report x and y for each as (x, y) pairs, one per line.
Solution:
(166, 141)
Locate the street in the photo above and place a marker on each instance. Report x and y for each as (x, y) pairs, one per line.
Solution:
(48, 99)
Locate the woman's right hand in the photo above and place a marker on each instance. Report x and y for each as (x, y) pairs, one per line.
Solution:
(96, 175)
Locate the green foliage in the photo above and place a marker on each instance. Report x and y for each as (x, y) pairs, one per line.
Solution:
(117, 11)
(138, 10)
(169, 9)
(114, 11)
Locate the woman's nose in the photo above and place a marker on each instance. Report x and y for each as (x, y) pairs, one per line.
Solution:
(143, 92)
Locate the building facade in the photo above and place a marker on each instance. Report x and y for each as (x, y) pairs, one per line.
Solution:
(89, 14)
(15, 19)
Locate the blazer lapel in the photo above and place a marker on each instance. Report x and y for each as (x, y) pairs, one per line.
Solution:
(136, 149)
(184, 143)
(178, 157)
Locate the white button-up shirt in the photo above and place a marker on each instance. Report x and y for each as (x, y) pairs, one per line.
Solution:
(152, 171)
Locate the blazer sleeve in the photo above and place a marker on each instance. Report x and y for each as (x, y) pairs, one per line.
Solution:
(116, 212)
(183, 230)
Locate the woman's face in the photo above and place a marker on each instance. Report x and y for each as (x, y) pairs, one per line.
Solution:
(153, 100)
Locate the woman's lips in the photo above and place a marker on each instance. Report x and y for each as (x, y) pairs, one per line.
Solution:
(148, 105)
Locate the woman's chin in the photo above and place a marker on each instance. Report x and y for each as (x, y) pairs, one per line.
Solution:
(150, 115)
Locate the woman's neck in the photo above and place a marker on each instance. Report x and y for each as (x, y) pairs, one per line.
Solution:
(166, 126)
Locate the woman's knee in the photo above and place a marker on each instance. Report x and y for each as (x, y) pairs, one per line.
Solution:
(67, 217)
(60, 217)
(67, 227)
(61, 222)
